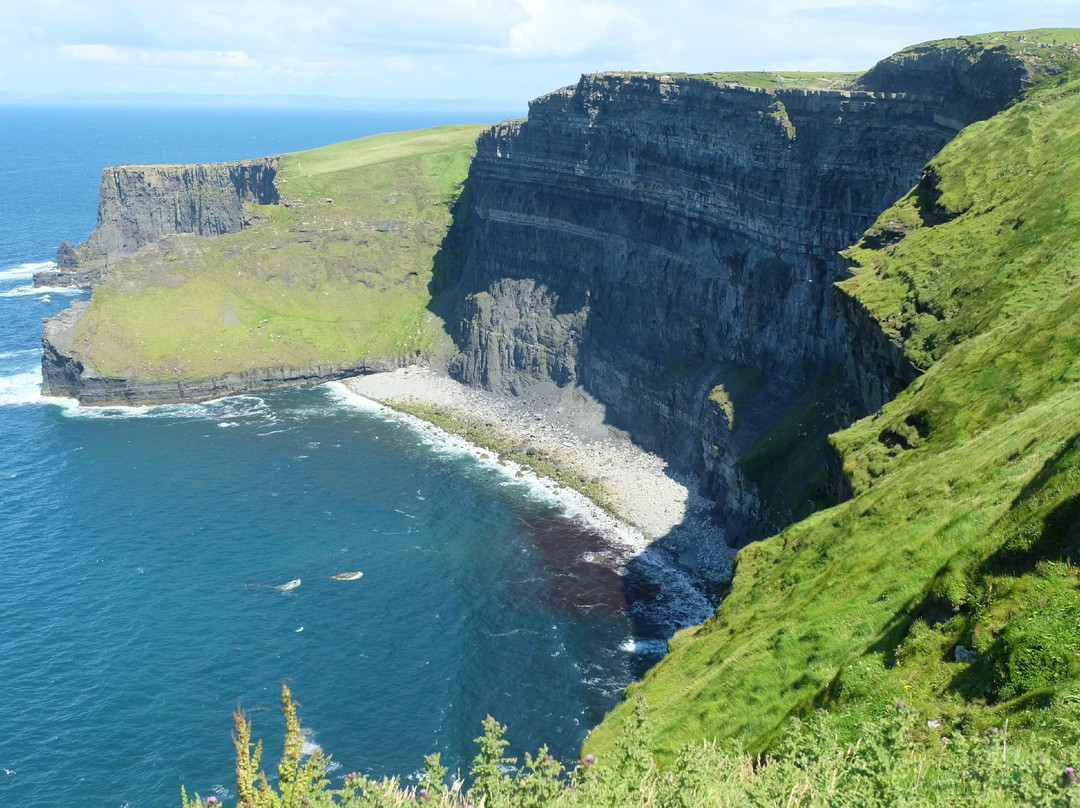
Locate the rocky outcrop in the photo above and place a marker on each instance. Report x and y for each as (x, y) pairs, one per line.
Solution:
(658, 241)
(972, 82)
(66, 271)
(140, 204)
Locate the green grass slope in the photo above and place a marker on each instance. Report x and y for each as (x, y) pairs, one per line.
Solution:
(949, 580)
(337, 273)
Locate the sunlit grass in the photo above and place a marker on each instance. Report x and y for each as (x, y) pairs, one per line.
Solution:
(962, 528)
(337, 274)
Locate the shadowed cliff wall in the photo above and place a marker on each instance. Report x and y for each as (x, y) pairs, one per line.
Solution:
(670, 245)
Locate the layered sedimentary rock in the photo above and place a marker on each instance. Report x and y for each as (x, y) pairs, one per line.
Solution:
(971, 82)
(670, 245)
(141, 204)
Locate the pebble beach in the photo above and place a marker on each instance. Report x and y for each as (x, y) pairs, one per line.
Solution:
(648, 501)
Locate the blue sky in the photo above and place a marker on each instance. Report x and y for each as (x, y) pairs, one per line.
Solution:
(504, 51)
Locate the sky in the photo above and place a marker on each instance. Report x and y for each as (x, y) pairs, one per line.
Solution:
(502, 51)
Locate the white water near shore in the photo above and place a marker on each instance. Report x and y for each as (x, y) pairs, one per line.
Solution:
(661, 522)
(25, 271)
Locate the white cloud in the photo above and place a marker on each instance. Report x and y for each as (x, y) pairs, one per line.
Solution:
(558, 28)
(178, 59)
(504, 49)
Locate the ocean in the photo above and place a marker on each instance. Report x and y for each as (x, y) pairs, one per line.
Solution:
(143, 549)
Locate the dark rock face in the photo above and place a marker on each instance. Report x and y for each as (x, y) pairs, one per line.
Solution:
(66, 261)
(68, 378)
(652, 239)
(140, 204)
(972, 83)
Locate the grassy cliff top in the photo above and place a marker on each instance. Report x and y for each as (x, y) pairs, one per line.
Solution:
(1030, 41)
(777, 80)
(336, 273)
(764, 79)
(948, 581)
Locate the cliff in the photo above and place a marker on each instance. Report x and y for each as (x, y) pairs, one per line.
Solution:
(974, 77)
(947, 583)
(667, 243)
(670, 245)
(204, 285)
(141, 204)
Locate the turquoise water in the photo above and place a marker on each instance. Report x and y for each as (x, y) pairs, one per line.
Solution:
(140, 547)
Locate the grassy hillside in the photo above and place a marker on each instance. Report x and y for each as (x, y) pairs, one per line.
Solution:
(338, 272)
(947, 582)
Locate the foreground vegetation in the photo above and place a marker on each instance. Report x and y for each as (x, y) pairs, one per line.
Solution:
(338, 273)
(894, 763)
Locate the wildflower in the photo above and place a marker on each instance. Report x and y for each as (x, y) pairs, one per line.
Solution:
(1069, 774)
(211, 800)
(993, 730)
(423, 793)
(589, 760)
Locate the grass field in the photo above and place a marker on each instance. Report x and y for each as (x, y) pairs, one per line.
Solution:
(338, 273)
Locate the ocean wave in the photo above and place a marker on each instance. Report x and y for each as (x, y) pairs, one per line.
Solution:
(219, 409)
(30, 291)
(20, 388)
(25, 388)
(17, 354)
(646, 646)
(23, 271)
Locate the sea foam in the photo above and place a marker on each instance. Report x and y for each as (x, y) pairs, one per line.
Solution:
(44, 291)
(684, 603)
(24, 271)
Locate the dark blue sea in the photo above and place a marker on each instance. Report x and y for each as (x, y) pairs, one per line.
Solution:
(140, 548)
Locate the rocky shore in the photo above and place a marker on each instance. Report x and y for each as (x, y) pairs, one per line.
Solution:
(566, 428)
